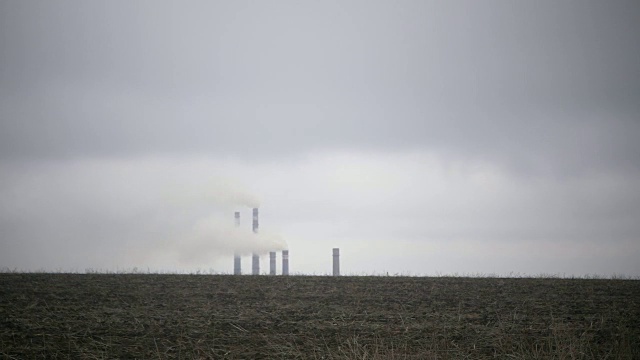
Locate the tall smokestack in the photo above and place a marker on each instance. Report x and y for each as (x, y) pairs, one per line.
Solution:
(255, 220)
(237, 263)
(336, 262)
(285, 262)
(272, 263)
(255, 268)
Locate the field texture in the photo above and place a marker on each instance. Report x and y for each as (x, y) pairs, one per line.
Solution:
(152, 316)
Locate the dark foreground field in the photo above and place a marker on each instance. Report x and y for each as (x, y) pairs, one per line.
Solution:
(74, 316)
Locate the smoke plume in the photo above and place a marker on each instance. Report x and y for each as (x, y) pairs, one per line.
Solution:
(219, 192)
(213, 237)
(198, 238)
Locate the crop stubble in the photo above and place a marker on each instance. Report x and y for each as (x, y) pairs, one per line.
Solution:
(157, 316)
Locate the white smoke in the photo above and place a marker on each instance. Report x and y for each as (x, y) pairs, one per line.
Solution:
(197, 238)
(213, 237)
(229, 193)
(218, 192)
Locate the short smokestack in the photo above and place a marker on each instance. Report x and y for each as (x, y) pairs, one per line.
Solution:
(285, 262)
(336, 262)
(272, 263)
(237, 263)
(255, 259)
(255, 264)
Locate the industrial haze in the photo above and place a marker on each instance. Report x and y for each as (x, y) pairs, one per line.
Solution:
(419, 137)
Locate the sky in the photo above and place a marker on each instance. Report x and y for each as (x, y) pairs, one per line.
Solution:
(419, 137)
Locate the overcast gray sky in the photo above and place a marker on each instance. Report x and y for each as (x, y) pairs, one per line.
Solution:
(420, 137)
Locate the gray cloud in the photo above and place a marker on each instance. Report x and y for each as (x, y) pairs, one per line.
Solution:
(531, 85)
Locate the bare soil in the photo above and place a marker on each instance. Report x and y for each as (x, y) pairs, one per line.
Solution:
(157, 316)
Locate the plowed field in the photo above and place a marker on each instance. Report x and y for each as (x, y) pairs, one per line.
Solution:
(157, 316)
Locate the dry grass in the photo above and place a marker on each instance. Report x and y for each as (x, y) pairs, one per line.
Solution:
(152, 316)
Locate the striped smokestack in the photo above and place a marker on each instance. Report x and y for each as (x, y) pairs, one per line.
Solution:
(255, 263)
(272, 263)
(255, 220)
(237, 263)
(336, 262)
(285, 262)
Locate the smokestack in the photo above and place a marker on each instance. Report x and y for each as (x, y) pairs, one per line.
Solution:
(285, 262)
(255, 268)
(255, 220)
(336, 262)
(272, 263)
(237, 263)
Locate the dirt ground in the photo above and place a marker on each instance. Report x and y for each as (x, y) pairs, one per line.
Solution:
(157, 316)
